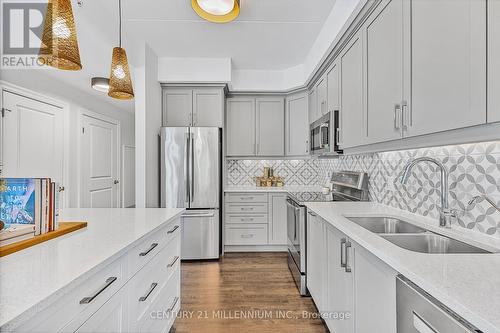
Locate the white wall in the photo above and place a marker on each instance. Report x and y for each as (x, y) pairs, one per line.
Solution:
(39, 82)
(194, 69)
(148, 121)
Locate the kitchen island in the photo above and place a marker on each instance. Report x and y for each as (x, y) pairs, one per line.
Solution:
(80, 280)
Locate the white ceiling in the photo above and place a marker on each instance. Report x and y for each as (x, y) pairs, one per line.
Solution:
(268, 34)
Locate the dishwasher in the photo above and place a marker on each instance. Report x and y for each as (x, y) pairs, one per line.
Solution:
(419, 312)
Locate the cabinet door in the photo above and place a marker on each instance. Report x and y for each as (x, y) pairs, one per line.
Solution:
(384, 51)
(322, 92)
(297, 125)
(493, 61)
(240, 131)
(353, 128)
(270, 126)
(339, 282)
(208, 107)
(448, 65)
(333, 92)
(111, 317)
(177, 107)
(375, 294)
(316, 259)
(277, 225)
(313, 104)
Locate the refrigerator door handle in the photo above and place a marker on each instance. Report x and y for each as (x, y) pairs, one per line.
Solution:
(191, 173)
(186, 168)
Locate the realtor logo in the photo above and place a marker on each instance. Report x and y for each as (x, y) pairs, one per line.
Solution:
(22, 30)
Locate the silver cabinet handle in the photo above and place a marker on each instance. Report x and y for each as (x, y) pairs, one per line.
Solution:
(342, 253)
(246, 209)
(174, 303)
(151, 288)
(406, 119)
(339, 130)
(348, 269)
(246, 219)
(151, 248)
(173, 261)
(247, 198)
(247, 236)
(397, 119)
(312, 214)
(173, 230)
(109, 281)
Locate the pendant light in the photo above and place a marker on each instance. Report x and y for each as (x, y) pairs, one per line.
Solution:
(59, 47)
(217, 11)
(120, 83)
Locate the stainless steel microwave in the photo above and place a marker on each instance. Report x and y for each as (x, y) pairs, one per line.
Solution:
(324, 138)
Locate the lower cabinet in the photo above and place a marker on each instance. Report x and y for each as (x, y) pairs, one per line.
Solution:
(353, 290)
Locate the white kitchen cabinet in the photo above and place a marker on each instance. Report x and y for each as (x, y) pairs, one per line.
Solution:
(384, 56)
(322, 92)
(448, 65)
(316, 260)
(208, 107)
(297, 125)
(111, 317)
(333, 85)
(177, 107)
(353, 126)
(240, 127)
(313, 106)
(493, 61)
(340, 281)
(270, 126)
(277, 219)
(183, 106)
(375, 296)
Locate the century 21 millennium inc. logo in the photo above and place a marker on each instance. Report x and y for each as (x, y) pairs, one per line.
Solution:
(22, 30)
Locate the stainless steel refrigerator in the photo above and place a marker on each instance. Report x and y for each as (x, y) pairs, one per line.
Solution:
(191, 178)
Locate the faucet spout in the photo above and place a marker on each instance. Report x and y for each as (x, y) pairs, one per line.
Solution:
(446, 213)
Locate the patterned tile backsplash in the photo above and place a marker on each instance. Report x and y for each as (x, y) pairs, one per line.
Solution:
(474, 169)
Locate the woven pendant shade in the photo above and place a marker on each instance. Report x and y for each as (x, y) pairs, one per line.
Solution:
(120, 83)
(59, 47)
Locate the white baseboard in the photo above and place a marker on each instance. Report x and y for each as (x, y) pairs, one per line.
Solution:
(255, 248)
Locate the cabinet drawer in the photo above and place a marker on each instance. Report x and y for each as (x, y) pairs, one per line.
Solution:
(257, 208)
(145, 287)
(246, 197)
(163, 311)
(147, 249)
(73, 309)
(255, 234)
(239, 218)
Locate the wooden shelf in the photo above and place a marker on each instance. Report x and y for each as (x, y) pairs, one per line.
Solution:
(64, 228)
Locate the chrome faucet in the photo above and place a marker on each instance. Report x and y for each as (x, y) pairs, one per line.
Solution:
(446, 214)
(485, 197)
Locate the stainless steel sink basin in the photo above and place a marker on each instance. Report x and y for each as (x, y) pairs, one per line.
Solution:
(432, 243)
(386, 225)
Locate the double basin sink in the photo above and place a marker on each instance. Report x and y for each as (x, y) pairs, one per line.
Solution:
(412, 237)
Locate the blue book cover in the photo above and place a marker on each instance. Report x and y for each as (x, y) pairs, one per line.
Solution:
(17, 200)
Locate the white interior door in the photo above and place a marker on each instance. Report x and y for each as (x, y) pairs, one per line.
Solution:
(99, 163)
(32, 140)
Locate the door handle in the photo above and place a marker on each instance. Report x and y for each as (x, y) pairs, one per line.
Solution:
(173, 230)
(312, 214)
(342, 253)
(109, 282)
(348, 269)
(116, 182)
(406, 119)
(397, 119)
(173, 261)
(186, 167)
(151, 248)
(192, 169)
(172, 307)
(150, 290)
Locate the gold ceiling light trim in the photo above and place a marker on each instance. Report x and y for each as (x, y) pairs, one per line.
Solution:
(59, 47)
(120, 82)
(231, 16)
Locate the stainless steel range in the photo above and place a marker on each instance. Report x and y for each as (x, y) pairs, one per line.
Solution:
(344, 186)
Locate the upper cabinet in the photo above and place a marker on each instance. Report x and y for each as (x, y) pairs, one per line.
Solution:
(203, 107)
(255, 126)
(313, 105)
(384, 85)
(445, 83)
(322, 91)
(297, 125)
(333, 88)
(493, 61)
(352, 123)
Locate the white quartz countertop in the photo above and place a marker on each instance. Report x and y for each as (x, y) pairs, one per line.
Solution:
(287, 188)
(34, 276)
(469, 284)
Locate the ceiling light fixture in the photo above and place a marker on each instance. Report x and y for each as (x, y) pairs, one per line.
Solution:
(217, 11)
(120, 83)
(59, 47)
(100, 84)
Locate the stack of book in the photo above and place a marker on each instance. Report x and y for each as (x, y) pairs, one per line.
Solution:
(31, 201)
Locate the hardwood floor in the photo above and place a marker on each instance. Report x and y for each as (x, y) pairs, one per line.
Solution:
(216, 297)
